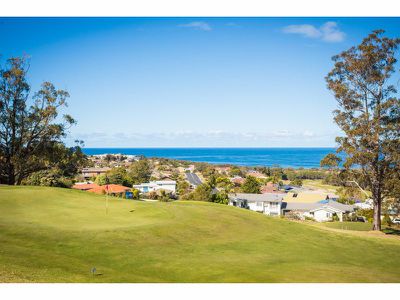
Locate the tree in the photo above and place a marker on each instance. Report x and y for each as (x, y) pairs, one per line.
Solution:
(203, 192)
(118, 176)
(224, 184)
(28, 132)
(139, 171)
(368, 114)
(297, 182)
(251, 185)
(235, 171)
(330, 161)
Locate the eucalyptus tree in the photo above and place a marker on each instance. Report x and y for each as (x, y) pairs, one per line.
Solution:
(363, 81)
(30, 126)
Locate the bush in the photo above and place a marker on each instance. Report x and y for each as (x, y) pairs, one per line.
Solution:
(387, 221)
(251, 185)
(48, 178)
(367, 213)
(335, 218)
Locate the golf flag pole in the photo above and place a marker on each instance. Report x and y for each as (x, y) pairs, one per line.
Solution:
(106, 199)
(106, 195)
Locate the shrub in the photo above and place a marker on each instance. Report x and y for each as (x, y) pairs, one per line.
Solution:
(386, 220)
(48, 178)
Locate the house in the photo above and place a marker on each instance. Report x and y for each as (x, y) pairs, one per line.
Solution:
(320, 211)
(237, 180)
(271, 188)
(85, 186)
(152, 186)
(308, 196)
(110, 189)
(93, 172)
(190, 168)
(367, 204)
(222, 170)
(256, 174)
(269, 204)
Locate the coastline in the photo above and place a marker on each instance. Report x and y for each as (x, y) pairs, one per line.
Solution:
(299, 157)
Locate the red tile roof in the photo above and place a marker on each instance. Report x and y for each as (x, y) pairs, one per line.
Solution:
(85, 187)
(109, 188)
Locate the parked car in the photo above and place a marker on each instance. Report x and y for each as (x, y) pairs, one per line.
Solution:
(396, 221)
(361, 219)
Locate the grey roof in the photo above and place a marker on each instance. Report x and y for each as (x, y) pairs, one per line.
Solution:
(269, 197)
(340, 206)
(299, 206)
(313, 206)
(105, 169)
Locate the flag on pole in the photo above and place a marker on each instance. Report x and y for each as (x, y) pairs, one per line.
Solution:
(107, 199)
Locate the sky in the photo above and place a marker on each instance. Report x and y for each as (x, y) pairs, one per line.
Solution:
(191, 82)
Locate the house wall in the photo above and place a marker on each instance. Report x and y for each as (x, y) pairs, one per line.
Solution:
(256, 206)
(322, 215)
(153, 187)
(170, 187)
(272, 208)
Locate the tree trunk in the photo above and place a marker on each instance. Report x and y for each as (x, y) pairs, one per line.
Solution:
(11, 175)
(377, 215)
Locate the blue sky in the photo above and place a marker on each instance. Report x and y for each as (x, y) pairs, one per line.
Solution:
(191, 82)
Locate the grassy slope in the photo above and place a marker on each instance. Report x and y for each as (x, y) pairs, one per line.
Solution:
(57, 235)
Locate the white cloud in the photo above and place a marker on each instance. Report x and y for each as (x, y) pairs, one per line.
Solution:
(328, 32)
(200, 25)
(305, 30)
(308, 133)
(212, 138)
(331, 33)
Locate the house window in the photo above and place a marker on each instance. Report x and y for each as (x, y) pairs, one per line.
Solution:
(327, 215)
(273, 205)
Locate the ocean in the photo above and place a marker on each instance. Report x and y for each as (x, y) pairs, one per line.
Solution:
(284, 157)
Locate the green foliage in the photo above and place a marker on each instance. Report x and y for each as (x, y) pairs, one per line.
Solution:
(164, 196)
(386, 220)
(118, 176)
(335, 218)
(31, 131)
(251, 185)
(368, 113)
(221, 198)
(235, 171)
(135, 194)
(224, 184)
(367, 213)
(203, 192)
(139, 171)
(48, 178)
(297, 182)
(183, 187)
(330, 161)
(101, 179)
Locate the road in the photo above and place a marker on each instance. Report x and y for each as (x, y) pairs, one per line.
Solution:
(193, 179)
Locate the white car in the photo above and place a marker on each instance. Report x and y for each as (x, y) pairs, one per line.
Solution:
(396, 221)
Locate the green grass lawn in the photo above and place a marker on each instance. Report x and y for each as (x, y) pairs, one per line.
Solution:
(58, 235)
(358, 226)
(318, 184)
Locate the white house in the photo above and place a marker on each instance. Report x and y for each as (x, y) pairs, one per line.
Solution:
(321, 211)
(269, 204)
(367, 204)
(168, 185)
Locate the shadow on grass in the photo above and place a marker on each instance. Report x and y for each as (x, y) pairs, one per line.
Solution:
(391, 230)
